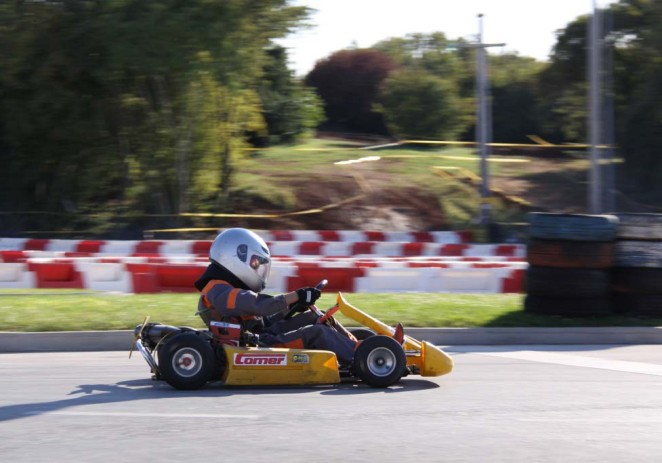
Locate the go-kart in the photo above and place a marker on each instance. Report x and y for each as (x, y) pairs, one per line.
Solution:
(188, 358)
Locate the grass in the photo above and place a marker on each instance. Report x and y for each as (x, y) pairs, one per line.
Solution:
(51, 310)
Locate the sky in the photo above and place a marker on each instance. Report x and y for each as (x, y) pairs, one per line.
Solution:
(526, 26)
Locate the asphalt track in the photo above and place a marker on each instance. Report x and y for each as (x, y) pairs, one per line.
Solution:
(500, 404)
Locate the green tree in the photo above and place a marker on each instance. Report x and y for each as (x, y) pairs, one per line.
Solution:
(515, 97)
(348, 83)
(100, 101)
(419, 105)
(291, 109)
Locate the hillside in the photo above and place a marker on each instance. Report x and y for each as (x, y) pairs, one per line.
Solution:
(336, 184)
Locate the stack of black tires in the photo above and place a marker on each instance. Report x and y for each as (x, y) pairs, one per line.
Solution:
(570, 260)
(637, 274)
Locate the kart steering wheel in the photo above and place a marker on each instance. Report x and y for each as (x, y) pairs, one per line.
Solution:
(296, 306)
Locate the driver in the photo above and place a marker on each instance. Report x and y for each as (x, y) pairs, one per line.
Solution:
(231, 292)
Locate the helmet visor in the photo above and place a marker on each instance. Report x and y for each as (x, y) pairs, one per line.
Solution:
(261, 265)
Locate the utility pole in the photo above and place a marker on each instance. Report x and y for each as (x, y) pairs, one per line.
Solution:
(595, 113)
(484, 120)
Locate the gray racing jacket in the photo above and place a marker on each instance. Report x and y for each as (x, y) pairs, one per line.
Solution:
(220, 301)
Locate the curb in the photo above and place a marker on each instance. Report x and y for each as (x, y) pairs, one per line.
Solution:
(119, 340)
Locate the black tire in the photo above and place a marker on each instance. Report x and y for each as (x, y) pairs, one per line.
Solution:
(636, 253)
(573, 227)
(640, 226)
(362, 333)
(593, 307)
(637, 280)
(187, 361)
(570, 254)
(380, 361)
(647, 305)
(567, 283)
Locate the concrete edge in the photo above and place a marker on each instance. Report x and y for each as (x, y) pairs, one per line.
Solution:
(86, 341)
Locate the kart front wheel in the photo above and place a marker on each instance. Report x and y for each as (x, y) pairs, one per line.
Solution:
(380, 361)
(186, 361)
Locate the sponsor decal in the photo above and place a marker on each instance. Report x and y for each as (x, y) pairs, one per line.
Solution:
(225, 325)
(301, 358)
(254, 359)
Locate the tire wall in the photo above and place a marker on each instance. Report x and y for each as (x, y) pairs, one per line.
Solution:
(637, 272)
(570, 259)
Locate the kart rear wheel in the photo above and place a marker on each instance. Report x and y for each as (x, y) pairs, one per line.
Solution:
(187, 361)
(380, 361)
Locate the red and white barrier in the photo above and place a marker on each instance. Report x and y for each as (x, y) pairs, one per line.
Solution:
(350, 260)
(376, 276)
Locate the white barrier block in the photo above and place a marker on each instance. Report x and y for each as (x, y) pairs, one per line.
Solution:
(387, 248)
(44, 256)
(16, 275)
(105, 276)
(12, 244)
(284, 248)
(119, 248)
(381, 280)
(351, 236)
(403, 237)
(176, 247)
(58, 245)
(446, 237)
(431, 249)
(277, 283)
(338, 248)
(180, 258)
(478, 250)
(305, 235)
(468, 280)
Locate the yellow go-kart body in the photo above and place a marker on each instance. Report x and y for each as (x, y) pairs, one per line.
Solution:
(278, 366)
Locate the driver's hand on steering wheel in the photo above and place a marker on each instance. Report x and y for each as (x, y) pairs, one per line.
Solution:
(308, 295)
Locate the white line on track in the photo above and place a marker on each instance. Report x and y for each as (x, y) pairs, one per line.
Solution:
(580, 361)
(150, 415)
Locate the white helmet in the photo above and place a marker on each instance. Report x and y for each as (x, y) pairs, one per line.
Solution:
(244, 254)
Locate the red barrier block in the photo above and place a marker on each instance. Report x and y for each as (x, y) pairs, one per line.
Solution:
(366, 264)
(505, 250)
(428, 265)
(422, 237)
(56, 275)
(35, 244)
(452, 249)
(311, 248)
(281, 235)
(340, 278)
(513, 283)
(466, 236)
(305, 264)
(374, 236)
(329, 235)
(13, 256)
(489, 265)
(147, 247)
(362, 247)
(142, 277)
(76, 254)
(91, 246)
(201, 248)
(177, 278)
(412, 249)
